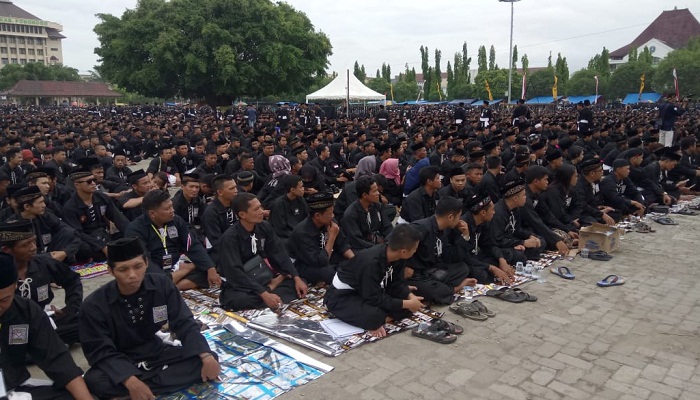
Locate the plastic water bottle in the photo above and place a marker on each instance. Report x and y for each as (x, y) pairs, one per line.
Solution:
(528, 270)
(584, 252)
(468, 292)
(540, 276)
(519, 268)
(535, 274)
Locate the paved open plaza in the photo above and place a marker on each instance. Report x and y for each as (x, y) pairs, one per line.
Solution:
(578, 341)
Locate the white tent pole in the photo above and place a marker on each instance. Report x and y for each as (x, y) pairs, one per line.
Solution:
(347, 109)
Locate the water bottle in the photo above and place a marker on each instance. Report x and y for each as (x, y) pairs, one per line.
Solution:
(468, 293)
(519, 268)
(535, 274)
(540, 276)
(528, 270)
(584, 252)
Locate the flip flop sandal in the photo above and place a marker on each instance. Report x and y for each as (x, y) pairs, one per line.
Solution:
(600, 256)
(686, 211)
(506, 294)
(641, 227)
(482, 309)
(448, 327)
(611, 280)
(564, 272)
(433, 334)
(467, 310)
(528, 296)
(666, 221)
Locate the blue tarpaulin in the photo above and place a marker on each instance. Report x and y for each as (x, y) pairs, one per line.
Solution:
(481, 102)
(465, 101)
(542, 100)
(634, 98)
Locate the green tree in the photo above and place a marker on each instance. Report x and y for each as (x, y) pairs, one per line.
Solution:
(427, 71)
(492, 58)
(632, 56)
(645, 56)
(13, 73)
(686, 61)
(438, 76)
(498, 82)
(561, 69)
(526, 64)
(379, 85)
(540, 83)
(481, 60)
(601, 63)
(217, 50)
(359, 72)
(515, 57)
(582, 83)
(626, 79)
(466, 62)
(406, 89)
(450, 79)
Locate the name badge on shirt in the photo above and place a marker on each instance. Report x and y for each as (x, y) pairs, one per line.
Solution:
(46, 238)
(42, 293)
(172, 232)
(103, 210)
(160, 314)
(296, 211)
(19, 334)
(167, 261)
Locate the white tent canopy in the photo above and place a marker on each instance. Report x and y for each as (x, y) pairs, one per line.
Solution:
(338, 90)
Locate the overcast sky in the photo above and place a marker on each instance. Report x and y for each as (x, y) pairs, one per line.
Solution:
(392, 31)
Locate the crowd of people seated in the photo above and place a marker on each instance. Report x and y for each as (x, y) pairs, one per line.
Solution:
(389, 210)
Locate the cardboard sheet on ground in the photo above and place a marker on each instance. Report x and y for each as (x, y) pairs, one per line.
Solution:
(253, 367)
(299, 323)
(90, 270)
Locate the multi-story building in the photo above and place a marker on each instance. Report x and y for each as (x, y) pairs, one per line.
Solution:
(25, 38)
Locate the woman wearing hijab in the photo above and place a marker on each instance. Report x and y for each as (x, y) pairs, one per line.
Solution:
(337, 167)
(313, 182)
(280, 166)
(394, 189)
(367, 166)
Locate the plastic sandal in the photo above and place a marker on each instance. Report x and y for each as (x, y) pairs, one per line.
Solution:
(432, 333)
(599, 256)
(611, 280)
(528, 296)
(482, 309)
(642, 227)
(506, 294)
(564, 272)
(448, 327)
(467, 310)
(665, 221)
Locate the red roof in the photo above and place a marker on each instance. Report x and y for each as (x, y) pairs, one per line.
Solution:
(60, 89)
(674, 27)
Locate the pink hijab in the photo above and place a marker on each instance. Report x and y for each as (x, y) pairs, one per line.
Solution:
(390, 169)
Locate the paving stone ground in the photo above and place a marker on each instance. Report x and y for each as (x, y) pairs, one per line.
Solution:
(636, 341)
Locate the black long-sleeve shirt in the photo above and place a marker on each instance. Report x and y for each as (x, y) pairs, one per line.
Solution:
(115, 340)
(215, 221)
(378, 282)
(419, 205)
(285, 214)
(362, 228)
(307, 244)
(177, 241)
(506, 227)
(42, 271)
(239, 250)
(91, 222)
(25, 330)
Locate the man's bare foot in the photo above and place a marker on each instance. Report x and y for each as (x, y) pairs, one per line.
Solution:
(276, 281)
(466, 282)
(388, 320)
(380, 332)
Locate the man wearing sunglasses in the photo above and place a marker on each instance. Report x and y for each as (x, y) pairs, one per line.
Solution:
(89, 212)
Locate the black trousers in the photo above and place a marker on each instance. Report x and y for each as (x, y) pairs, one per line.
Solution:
(315, 275)
(232, 298)
(350, 307)
(439, 287)
(67, 329)
(170, 373)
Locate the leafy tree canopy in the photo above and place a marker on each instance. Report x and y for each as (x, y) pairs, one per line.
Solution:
(213, 49)
(13, 73)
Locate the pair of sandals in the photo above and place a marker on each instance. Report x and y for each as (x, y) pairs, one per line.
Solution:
(475, 310)
(684, 210)
(643, 227)
(511, 295)
(610, 280)
(439, 331)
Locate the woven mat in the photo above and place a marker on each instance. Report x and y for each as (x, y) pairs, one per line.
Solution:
(91, 270)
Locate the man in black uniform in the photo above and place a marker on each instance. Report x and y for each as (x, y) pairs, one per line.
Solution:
(218, 215)
(485, 115)
(363, 223)
(189, 205)
(36, 275)
(619, 192)
(130, 202)
(53, 236)
(506, 226)
(26, 333)
(118, 325)
(254, 262)
(317, 244)
(289, 210)
(589, 187)
(438, 270)
(88, 213)
(460, 114)
(585, 117)
(457, 187)
(167, 240)
(421, 202)
(659, 187)
(371, 287)
(118, 172)
(382, 118)
(491, 182)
